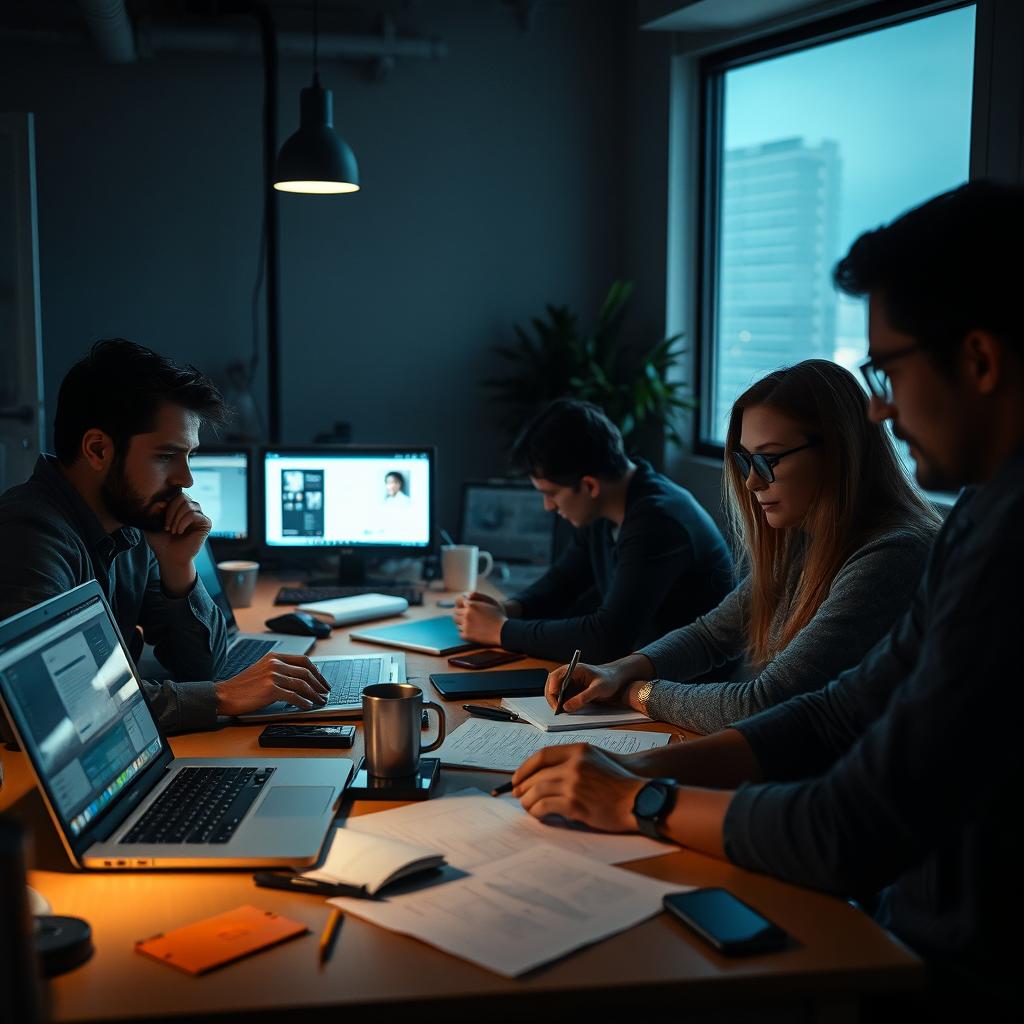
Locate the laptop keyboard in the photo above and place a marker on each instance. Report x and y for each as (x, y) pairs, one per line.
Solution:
(244, 653)
(201, 805)
(306, 595)
(348, 678)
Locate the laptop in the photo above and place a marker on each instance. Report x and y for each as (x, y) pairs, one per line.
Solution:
(435, 636)
(506, 517)
(243, 648)
(117, 795)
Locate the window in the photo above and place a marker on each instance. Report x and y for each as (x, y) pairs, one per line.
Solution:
(805, 149)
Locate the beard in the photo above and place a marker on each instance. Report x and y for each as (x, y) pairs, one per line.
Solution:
(128, 507)
(930, 475)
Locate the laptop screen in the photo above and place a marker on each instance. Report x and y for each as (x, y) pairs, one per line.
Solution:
(220, 483)
(80, 711)
(508, 520)
(206, 567)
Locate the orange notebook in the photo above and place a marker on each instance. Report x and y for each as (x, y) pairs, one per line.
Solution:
(219, 940)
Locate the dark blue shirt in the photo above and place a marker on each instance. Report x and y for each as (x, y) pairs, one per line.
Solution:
(667, 565)
(51, 541)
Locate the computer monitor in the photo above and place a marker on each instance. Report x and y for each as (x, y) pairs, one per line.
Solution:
(220, 483)
(507, 518)
(364, 500)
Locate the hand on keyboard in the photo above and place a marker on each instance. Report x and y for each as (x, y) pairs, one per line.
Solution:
(288, 677)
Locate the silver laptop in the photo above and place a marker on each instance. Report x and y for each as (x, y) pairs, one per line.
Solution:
(243, 648)
(117, 795)
(348, 675)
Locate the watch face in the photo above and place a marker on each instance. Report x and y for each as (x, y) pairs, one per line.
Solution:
(650, 800)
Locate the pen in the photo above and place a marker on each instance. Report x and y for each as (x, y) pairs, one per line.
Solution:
(498, 714)
(505, 787)
(330, 931)
(559, 706)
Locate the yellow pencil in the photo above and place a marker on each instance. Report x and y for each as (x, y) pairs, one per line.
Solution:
(329, 932)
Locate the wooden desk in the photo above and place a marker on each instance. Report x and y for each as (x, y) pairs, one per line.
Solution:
(655, 968)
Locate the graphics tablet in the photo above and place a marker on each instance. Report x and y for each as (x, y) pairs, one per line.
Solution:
(520, 682)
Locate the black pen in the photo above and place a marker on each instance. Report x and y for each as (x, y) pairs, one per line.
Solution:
(505, 787)
(498, 714)
(560, 703)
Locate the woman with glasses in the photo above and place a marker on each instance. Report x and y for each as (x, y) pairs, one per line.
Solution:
(833, 536)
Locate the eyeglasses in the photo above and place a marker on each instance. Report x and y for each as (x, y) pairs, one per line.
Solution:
(764, 465)
(875, 376)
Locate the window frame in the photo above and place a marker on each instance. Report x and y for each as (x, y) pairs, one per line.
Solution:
(711, 70)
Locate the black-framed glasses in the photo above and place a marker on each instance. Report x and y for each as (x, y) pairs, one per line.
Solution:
(764, 465)
(875, 375)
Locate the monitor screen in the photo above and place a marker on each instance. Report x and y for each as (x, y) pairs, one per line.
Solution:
(80, 711)
(220, 483)
(508, 520)
(348, 497)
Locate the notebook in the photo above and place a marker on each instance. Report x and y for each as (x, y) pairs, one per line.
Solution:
(428, 636)
(538, 712)
(462, 685)
(342, 610)
(369, 863)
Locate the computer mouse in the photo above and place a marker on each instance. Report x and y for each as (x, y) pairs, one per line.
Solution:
(299, 623)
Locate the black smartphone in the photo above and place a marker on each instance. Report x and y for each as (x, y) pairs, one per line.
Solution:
(726, 922)
(484, 659)
(308, 736)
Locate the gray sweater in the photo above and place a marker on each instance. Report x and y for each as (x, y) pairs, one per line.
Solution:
(871, 590)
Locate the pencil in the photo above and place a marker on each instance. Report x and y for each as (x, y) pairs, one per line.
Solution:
(505, 787)
(329, 932)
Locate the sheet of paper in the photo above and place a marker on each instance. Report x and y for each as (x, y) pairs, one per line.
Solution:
(364, 859)
(517, 913)
(537, 711)
(504, 746)
(472, 828)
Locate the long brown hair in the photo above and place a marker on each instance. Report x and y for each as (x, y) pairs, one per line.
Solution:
(863, 491)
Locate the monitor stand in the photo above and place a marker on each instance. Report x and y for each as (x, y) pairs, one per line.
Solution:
(352, 573)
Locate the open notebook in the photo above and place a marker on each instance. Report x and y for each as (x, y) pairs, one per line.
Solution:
(537, 711)
(369, 862)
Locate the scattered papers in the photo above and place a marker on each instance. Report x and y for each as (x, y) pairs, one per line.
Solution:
(504, 746)
(538, 712)
(471, 828)
(521, 911)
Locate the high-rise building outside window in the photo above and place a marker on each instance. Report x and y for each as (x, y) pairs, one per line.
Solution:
(813, 147)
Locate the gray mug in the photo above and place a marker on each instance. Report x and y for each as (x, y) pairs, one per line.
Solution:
(391, 729)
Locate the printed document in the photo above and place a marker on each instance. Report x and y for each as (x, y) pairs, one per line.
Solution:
(538, 712)
(471, 828)
(504, 746)
(514, 914)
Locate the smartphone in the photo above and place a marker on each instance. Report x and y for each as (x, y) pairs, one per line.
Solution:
(308, 736)
(726, 922)
(484, 659)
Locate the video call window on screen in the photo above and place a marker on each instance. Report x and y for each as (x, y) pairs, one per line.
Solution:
(220, 483)
(348, 499)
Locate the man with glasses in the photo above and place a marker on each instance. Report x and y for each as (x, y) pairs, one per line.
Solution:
(897, 782)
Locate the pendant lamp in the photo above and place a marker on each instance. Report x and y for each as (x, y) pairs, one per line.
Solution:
(316, 160)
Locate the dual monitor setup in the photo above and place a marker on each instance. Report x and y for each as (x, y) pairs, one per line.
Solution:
(364, 501)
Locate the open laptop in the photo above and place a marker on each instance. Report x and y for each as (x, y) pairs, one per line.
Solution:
(243, 648)
(507, 518)
(117, 795)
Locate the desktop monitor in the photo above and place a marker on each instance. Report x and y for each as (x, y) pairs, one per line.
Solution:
(220, 483)
(507, 518)
(365, 500)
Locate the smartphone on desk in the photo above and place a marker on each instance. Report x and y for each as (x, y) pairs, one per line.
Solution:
(484, 659)
(726, 922)
(336, 736)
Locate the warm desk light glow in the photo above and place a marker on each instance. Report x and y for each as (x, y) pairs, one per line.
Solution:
(319, 187)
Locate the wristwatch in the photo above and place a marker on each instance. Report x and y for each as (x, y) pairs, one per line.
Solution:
(652, 806)
(643, 695)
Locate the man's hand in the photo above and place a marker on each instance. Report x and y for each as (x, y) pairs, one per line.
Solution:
(274, 677)
(580, 783)
(479, 618)
(590, 684)
(177, 544)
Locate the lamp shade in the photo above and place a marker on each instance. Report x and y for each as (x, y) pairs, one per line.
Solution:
(315, 159)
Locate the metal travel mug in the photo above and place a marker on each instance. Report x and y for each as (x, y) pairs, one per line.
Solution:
(391, 729)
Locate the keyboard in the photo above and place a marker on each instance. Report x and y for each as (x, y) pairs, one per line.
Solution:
(349, 678)
(306, 595)
(201, 805)
(244, 653)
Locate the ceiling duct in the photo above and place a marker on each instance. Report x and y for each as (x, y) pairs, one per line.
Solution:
(111, 29)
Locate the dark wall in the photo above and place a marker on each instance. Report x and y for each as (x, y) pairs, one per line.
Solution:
(492, 184)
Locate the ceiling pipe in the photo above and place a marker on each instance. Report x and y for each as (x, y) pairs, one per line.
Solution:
(110, 29)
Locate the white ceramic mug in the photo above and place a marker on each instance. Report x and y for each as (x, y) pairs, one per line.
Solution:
(239, 581)
(460, 566)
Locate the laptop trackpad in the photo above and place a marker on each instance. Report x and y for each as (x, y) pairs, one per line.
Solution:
(295, 802)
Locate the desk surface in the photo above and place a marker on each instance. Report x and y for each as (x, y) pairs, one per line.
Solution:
(839, 954)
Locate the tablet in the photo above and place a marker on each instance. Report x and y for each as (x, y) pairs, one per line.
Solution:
(520, 682)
